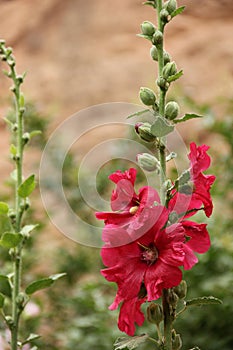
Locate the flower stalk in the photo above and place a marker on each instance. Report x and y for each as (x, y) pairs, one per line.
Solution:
(19, 207)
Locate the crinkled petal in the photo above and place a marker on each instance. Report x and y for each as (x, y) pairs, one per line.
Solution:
(199, 237)
(160, 276)
(127, 175)
(130, 314)
(202, 185)
(199, 159)
(123, 195)
(170, 245)
(190, 258)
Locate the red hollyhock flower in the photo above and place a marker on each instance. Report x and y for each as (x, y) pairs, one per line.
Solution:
(200, 161)
(149, 263)
(134, 214)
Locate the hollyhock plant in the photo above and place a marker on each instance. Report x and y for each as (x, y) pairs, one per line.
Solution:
(148, 238)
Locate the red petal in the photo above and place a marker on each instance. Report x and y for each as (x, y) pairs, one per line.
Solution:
(200, 240)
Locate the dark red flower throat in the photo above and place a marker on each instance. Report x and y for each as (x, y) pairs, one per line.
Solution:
(149, 254)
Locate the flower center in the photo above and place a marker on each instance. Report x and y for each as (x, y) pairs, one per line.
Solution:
(149, 254)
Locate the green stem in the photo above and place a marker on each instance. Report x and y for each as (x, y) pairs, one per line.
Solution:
(163, 176)
(162, 95)
(167, 322)
(18, 210)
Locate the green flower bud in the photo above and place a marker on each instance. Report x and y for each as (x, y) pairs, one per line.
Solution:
(171, 6)
(172, 110)
(154, 53)
(147, 96)
(166, 57)
(154, 313)
(21, 300)
(181, 289)
(147, 162)
(169, 69)
(143, 130)
(172, 298)
(157, 38)
(165, 16)
(147, 28)
(26, 138)
(162, 83)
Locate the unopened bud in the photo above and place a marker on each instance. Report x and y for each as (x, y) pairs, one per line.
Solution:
(143, 130)
(26, 138)
(171, 6)
(157, 38)
(165, 16)
(147, 161)
(169, 69)
(21, 300)
(172, 110)
(154, 313)
(166, 57)
(172, 298)
(147, 28)
(147, 96)
(181, 289)
(163, 84)
(154, 53)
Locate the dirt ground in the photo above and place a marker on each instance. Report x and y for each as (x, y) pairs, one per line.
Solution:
(78, 53)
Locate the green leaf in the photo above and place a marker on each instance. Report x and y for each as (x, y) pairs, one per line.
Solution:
(175, 76)
(144, 36)
(178, 11)
(161, 127)
(138, 113)
(13, 150)
(8, 122)
(5, 287)
(187, 116)
(26, 188)
(130, 342)
(43, 283)
(31, 338)
(35, 133)
(2, 299)
(150, 4)
(203, 301)
(3, 208)
(27, 229)
(10, 240)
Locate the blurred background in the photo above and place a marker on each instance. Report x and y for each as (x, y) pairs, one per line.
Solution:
(78, 53)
